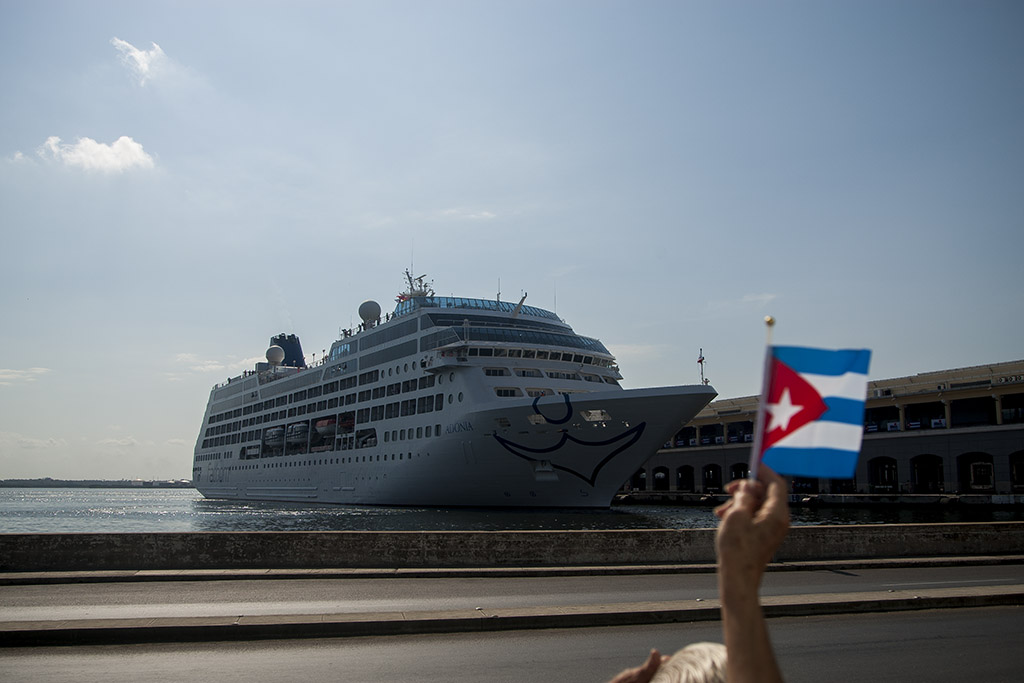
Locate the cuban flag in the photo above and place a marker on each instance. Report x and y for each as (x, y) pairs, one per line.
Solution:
(811, 417)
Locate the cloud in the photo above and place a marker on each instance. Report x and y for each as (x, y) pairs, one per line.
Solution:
(742, 304)
(9, 377)
(30, 443)
(460, 213)
(757, 299)
(143, 64)
(123, 442)
(193, 364)
(90, 155)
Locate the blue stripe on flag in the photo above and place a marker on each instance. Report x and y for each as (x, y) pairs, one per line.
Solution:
(824, 361)
(844, 410)
(828, 463)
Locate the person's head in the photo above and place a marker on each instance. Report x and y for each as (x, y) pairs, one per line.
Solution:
(697, 663)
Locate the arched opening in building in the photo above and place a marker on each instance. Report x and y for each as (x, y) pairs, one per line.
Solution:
(712, 477)
(806, 485)
(976, 473)
(738, 470)
(638, 482)
(661, 480)
(926, 474)
(1017, 471)
(882, 475)
(684, 478)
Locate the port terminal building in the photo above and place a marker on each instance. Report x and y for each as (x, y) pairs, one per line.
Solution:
(950, 432)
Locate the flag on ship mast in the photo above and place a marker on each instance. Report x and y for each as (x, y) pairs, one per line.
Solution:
(811, 415)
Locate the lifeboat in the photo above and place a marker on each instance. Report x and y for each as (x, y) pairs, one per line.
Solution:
(297, 433)
(274, 436)
(326, 427)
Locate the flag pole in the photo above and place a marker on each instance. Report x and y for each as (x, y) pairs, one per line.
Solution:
(755, 450)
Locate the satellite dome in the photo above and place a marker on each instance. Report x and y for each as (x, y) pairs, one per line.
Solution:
(369, 310)
(275, 354)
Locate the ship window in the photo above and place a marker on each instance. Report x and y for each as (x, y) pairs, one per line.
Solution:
(473, 351)
(460, 397)
(529, 353)
(515, 353)
(507, 392)
(555, 355)
(437, 430)
(428, 431)
(501, 352)
(496, 372)
(534, 393)
(486, 352)
(419, 432)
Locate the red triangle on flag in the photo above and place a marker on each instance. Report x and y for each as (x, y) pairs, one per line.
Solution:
(790, 404)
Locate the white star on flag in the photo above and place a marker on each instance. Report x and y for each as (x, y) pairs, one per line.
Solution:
(782, 412)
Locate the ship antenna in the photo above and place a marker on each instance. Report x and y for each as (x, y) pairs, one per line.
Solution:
(700, 362)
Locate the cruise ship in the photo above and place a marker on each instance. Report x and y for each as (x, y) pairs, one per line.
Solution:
(445, 401)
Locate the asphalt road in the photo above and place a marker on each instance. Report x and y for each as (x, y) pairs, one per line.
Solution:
(983, 644)
(356, 595)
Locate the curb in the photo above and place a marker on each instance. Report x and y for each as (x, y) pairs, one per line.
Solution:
(145, 575)
(265, 627)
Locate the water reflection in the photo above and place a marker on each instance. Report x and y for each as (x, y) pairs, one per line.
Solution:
(214, 515)
(157, 510)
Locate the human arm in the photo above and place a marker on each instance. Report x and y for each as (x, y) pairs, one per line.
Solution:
(753, 524)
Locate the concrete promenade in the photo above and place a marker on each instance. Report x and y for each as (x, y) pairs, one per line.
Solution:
(139, 621)
(40, 574)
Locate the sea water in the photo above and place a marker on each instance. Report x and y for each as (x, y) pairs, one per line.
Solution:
(130, 510)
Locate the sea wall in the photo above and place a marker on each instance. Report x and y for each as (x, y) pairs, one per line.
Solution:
(453, 549)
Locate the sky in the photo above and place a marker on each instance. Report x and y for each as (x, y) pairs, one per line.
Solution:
(179, 181)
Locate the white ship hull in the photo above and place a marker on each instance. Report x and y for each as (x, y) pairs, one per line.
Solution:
(548, 455)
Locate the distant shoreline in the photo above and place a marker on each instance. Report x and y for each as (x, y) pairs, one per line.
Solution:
(48, 483)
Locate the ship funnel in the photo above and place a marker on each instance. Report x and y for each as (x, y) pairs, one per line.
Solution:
(289, 343)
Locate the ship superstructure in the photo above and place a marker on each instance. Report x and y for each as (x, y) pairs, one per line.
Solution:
(446, 401)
